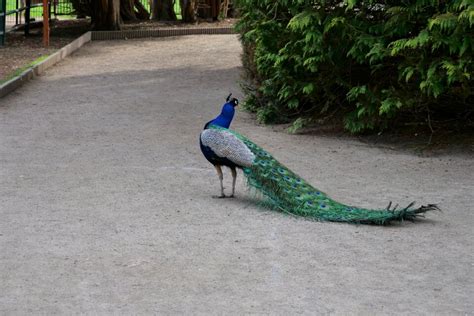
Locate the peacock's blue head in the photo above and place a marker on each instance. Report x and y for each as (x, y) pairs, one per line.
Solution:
(227, 114)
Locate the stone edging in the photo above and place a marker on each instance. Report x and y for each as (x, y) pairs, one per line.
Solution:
(85, 38)
(129, 34)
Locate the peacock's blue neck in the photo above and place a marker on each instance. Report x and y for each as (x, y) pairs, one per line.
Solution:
(225, 118)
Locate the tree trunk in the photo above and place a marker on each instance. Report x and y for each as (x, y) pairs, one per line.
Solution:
(106, 15)
(127, 11)
(225, 9)
(109, 14)
(215, 9)
(163, 10)
(141, 12)
(188, 10)
(82, 7)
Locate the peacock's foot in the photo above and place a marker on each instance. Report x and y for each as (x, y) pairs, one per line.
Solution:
(222, 196)
(231, 196)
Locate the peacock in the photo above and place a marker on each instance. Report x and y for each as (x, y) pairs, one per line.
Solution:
(283, 189)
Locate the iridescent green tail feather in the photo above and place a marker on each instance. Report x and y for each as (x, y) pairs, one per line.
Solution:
(288, 193)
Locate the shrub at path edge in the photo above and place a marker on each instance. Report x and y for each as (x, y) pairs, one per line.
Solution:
(367, 62)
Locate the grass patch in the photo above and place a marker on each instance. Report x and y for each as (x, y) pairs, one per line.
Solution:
(65, 8)
(18, 71)
(62, 8)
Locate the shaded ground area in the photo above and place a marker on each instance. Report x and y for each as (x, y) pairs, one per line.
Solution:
(154, 24)
(20, 50)
(106, 201)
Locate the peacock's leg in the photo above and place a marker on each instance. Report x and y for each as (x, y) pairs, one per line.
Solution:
(221, 179)
(234, 177)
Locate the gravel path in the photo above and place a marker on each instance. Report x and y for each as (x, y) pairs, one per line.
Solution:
(105, 201)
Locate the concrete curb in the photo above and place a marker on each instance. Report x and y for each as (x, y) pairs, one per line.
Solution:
(67, 50)
(16, 82)
(41, 67)
(62, 53)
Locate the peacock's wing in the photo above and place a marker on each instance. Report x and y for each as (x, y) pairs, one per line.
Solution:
(226, 145)
(288, 192)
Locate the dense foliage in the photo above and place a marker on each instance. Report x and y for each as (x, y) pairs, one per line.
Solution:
(369, 62)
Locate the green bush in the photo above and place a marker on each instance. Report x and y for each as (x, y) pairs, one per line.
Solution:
(371, 61)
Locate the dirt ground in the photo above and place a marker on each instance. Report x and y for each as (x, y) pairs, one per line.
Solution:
(106, 201)
(21, 50)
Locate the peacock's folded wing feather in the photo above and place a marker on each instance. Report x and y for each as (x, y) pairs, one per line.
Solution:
(288, 192)
(226, 145)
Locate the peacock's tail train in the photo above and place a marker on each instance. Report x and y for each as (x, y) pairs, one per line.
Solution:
(288, 193)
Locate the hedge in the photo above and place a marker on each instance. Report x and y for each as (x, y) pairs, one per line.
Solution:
(368, 63)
